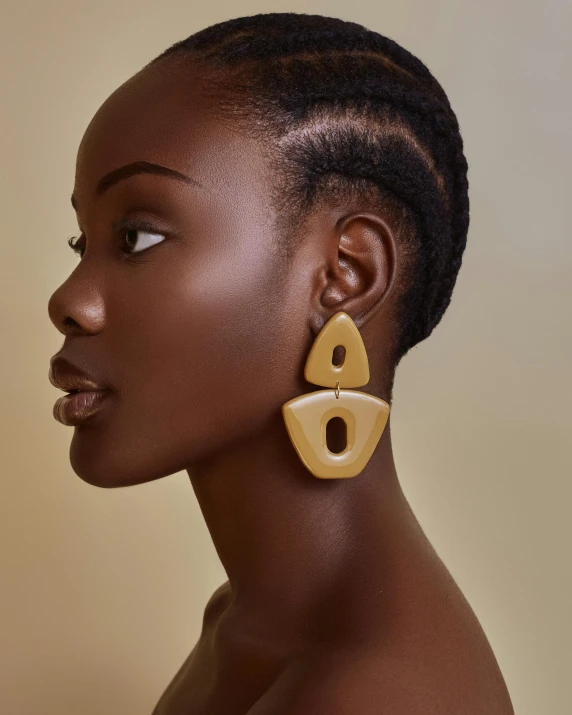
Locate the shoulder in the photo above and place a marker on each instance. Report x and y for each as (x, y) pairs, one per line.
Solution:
(356, 683)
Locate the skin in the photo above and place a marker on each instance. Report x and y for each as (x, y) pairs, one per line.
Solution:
(335, 602)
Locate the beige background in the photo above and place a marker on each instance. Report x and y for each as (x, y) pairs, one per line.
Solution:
(102, 591)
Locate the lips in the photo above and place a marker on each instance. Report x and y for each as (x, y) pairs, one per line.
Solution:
(78, 407)
(86, 397)
(68, 376)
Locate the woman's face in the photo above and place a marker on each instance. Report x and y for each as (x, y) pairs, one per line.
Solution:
(196, 338)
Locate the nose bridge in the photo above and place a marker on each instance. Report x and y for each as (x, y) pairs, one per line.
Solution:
(78, 302)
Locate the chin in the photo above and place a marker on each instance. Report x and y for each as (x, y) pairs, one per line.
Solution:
(102, 470)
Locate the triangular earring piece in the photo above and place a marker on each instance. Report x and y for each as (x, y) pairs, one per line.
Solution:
(354, 371)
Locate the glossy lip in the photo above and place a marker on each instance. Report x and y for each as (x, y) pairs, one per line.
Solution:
(67, 376)
(78, 407)
(87, 395)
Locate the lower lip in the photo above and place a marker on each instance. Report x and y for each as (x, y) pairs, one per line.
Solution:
(74, 408)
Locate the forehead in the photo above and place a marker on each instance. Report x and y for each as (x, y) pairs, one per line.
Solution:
(163, 115)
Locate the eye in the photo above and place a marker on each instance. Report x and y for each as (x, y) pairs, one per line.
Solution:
(136, 237)
(142, 238)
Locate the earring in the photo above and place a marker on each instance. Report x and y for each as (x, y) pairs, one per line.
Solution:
(307, 416)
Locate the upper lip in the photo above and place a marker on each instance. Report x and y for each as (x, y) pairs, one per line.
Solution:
(68, 377)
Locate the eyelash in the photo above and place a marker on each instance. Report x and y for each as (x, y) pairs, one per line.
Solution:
(126, 226)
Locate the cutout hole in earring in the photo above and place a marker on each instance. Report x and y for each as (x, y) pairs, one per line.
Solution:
(336, 435)
(338, 356)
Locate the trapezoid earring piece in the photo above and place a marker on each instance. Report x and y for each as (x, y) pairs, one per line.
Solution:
(307, 416)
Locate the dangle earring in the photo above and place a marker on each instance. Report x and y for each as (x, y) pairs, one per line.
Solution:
(365, 416)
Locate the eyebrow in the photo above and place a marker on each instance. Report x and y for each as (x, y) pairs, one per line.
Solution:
(137, 167)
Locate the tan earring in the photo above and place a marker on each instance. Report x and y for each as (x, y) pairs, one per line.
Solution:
(307, 416)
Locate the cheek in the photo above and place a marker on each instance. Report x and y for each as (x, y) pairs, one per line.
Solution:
(198, 353)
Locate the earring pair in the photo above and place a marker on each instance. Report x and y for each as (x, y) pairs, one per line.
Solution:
(307, 416)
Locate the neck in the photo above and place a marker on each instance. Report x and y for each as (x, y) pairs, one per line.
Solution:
(288, 540)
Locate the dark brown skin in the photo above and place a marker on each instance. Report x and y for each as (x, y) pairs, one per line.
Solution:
(336, 602)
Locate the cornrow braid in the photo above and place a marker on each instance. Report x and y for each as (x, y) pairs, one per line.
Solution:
(349, 112)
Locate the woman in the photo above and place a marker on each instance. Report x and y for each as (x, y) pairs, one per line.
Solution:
(239, 194)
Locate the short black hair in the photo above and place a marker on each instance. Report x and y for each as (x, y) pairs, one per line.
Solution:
(350, 112)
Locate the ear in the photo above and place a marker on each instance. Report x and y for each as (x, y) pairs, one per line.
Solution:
(361, 269)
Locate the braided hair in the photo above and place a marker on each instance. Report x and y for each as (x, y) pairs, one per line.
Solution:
(348, 112)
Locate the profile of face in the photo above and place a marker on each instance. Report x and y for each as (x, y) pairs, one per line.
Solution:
(178, 304)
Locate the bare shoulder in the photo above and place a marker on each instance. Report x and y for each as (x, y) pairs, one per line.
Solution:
(356, 682)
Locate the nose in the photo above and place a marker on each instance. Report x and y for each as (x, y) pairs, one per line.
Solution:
(77, 307)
